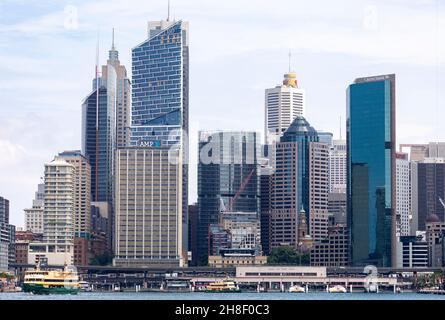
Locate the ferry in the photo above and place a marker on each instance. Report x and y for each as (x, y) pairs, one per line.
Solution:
(337, 289)
(297, 289)
(223, 286)
(51, 282)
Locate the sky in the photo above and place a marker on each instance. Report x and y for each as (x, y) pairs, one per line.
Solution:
(238, 48)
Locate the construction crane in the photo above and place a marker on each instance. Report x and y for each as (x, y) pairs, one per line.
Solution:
(229, 208)
(243, 186)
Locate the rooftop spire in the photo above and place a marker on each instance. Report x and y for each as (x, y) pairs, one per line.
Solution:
(113, 54)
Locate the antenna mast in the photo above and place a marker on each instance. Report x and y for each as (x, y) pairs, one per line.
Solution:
(168, 11)
(290, 56)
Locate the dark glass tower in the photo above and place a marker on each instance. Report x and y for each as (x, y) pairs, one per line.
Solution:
(97, 145)
(227, 180)
(371, 170)
(301, 133)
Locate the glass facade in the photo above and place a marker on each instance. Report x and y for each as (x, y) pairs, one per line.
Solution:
(234, 168)
(301, 133)
(98, 143)
(371, 169)
(160, 86)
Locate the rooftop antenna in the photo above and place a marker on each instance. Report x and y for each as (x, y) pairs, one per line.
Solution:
(168, 11)
(340, 129)
(290, 56)
(97, 112)
(112, 42)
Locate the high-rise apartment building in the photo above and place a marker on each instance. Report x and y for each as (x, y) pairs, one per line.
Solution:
(57, 247)
(371, 170)
(282, 105)
(148, 202)
(403, 194)
(82, 204)
(160, 96)
(227, 179)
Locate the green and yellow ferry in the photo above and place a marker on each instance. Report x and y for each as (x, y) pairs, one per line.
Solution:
(223, 286)
(51, 282)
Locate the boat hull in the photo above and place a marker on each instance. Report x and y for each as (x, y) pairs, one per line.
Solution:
(224, 291)
(40, 289)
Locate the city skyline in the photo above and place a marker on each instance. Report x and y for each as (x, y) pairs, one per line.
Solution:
(36, 93)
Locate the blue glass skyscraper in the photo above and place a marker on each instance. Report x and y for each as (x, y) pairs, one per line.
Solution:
(160, 85)
(371, 170)
(160, 99)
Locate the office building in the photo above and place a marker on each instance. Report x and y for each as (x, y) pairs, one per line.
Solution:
(22, 241)
(266, 178)
(333, 250)
(160, 96)
(371, 184)
(7, 236)
(193, 234)
(337, 208)
(326, 137)
(318, 190)
(413, 252)
(337, 167)
(148, 206)
(123, 95)
(300, 180)
(34, 215)
(429, 191)
(227, 179)
(435, 237)
(282, 105)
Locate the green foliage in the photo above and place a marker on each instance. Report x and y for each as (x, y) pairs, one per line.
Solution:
(288, 256)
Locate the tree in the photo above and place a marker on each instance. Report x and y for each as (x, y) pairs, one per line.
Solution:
(288, 256)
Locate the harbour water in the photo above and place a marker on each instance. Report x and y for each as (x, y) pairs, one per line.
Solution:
(221, 296)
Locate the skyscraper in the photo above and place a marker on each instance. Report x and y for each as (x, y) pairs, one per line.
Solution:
(299, 183)
(371, 185)
(82, 204)
(227, 180)
(160, 95)
(337, 167)
(105, 126)
(148, 204)
(57, 247)
(123, 96)
(5, 238)
(403, 194)
(282, 105)
(430, 191)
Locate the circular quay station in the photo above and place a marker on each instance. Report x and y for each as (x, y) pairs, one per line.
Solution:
(235, 159)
